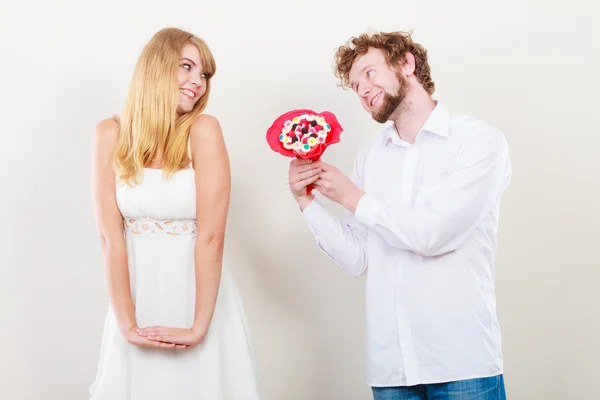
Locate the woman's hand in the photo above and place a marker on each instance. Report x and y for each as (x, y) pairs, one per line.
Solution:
(136, 339)
(180, 337)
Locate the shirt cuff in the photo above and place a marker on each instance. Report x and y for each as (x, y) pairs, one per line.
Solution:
(315, 212)
(368, 210)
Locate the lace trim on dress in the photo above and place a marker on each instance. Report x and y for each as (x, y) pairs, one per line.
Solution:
(148, 226)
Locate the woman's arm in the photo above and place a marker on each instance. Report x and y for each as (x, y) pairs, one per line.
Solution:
(213, 183)
(109, 222)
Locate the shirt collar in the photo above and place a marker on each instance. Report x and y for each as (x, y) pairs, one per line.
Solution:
(437, 123)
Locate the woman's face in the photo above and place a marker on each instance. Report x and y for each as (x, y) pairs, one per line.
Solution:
(191, 78)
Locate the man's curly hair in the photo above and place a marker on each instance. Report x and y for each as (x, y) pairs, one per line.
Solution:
(394, 44)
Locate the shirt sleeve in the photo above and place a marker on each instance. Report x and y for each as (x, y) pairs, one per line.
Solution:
(473, 186)
(343, 239)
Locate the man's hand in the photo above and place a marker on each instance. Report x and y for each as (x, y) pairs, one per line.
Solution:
(337, 187)
(302, 173)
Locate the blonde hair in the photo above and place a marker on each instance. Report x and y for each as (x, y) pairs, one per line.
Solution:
(149, 126)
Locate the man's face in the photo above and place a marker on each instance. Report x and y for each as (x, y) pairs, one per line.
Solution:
(380, 87)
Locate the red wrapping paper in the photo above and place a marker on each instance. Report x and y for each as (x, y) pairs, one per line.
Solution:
(303, 133)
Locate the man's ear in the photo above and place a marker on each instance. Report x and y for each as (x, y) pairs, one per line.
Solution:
(408, 67)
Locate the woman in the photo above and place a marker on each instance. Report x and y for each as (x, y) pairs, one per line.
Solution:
(161, 187)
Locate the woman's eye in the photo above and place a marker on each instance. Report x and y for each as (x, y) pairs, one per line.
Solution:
(186, 66)
(370, 73)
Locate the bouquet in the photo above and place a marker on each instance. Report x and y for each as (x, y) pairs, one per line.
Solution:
(304, 134)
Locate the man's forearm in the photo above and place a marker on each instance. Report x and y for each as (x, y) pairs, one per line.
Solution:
(345, 244)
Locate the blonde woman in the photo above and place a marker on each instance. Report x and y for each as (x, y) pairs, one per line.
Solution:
(175, 327)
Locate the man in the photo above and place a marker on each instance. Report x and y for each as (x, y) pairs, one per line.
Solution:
(422, 218)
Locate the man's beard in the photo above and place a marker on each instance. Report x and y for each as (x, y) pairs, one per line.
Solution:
(391, 103)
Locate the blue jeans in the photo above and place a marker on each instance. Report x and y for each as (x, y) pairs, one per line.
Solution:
(471, 389)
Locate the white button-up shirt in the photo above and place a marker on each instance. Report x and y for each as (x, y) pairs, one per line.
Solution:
(425, 234)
